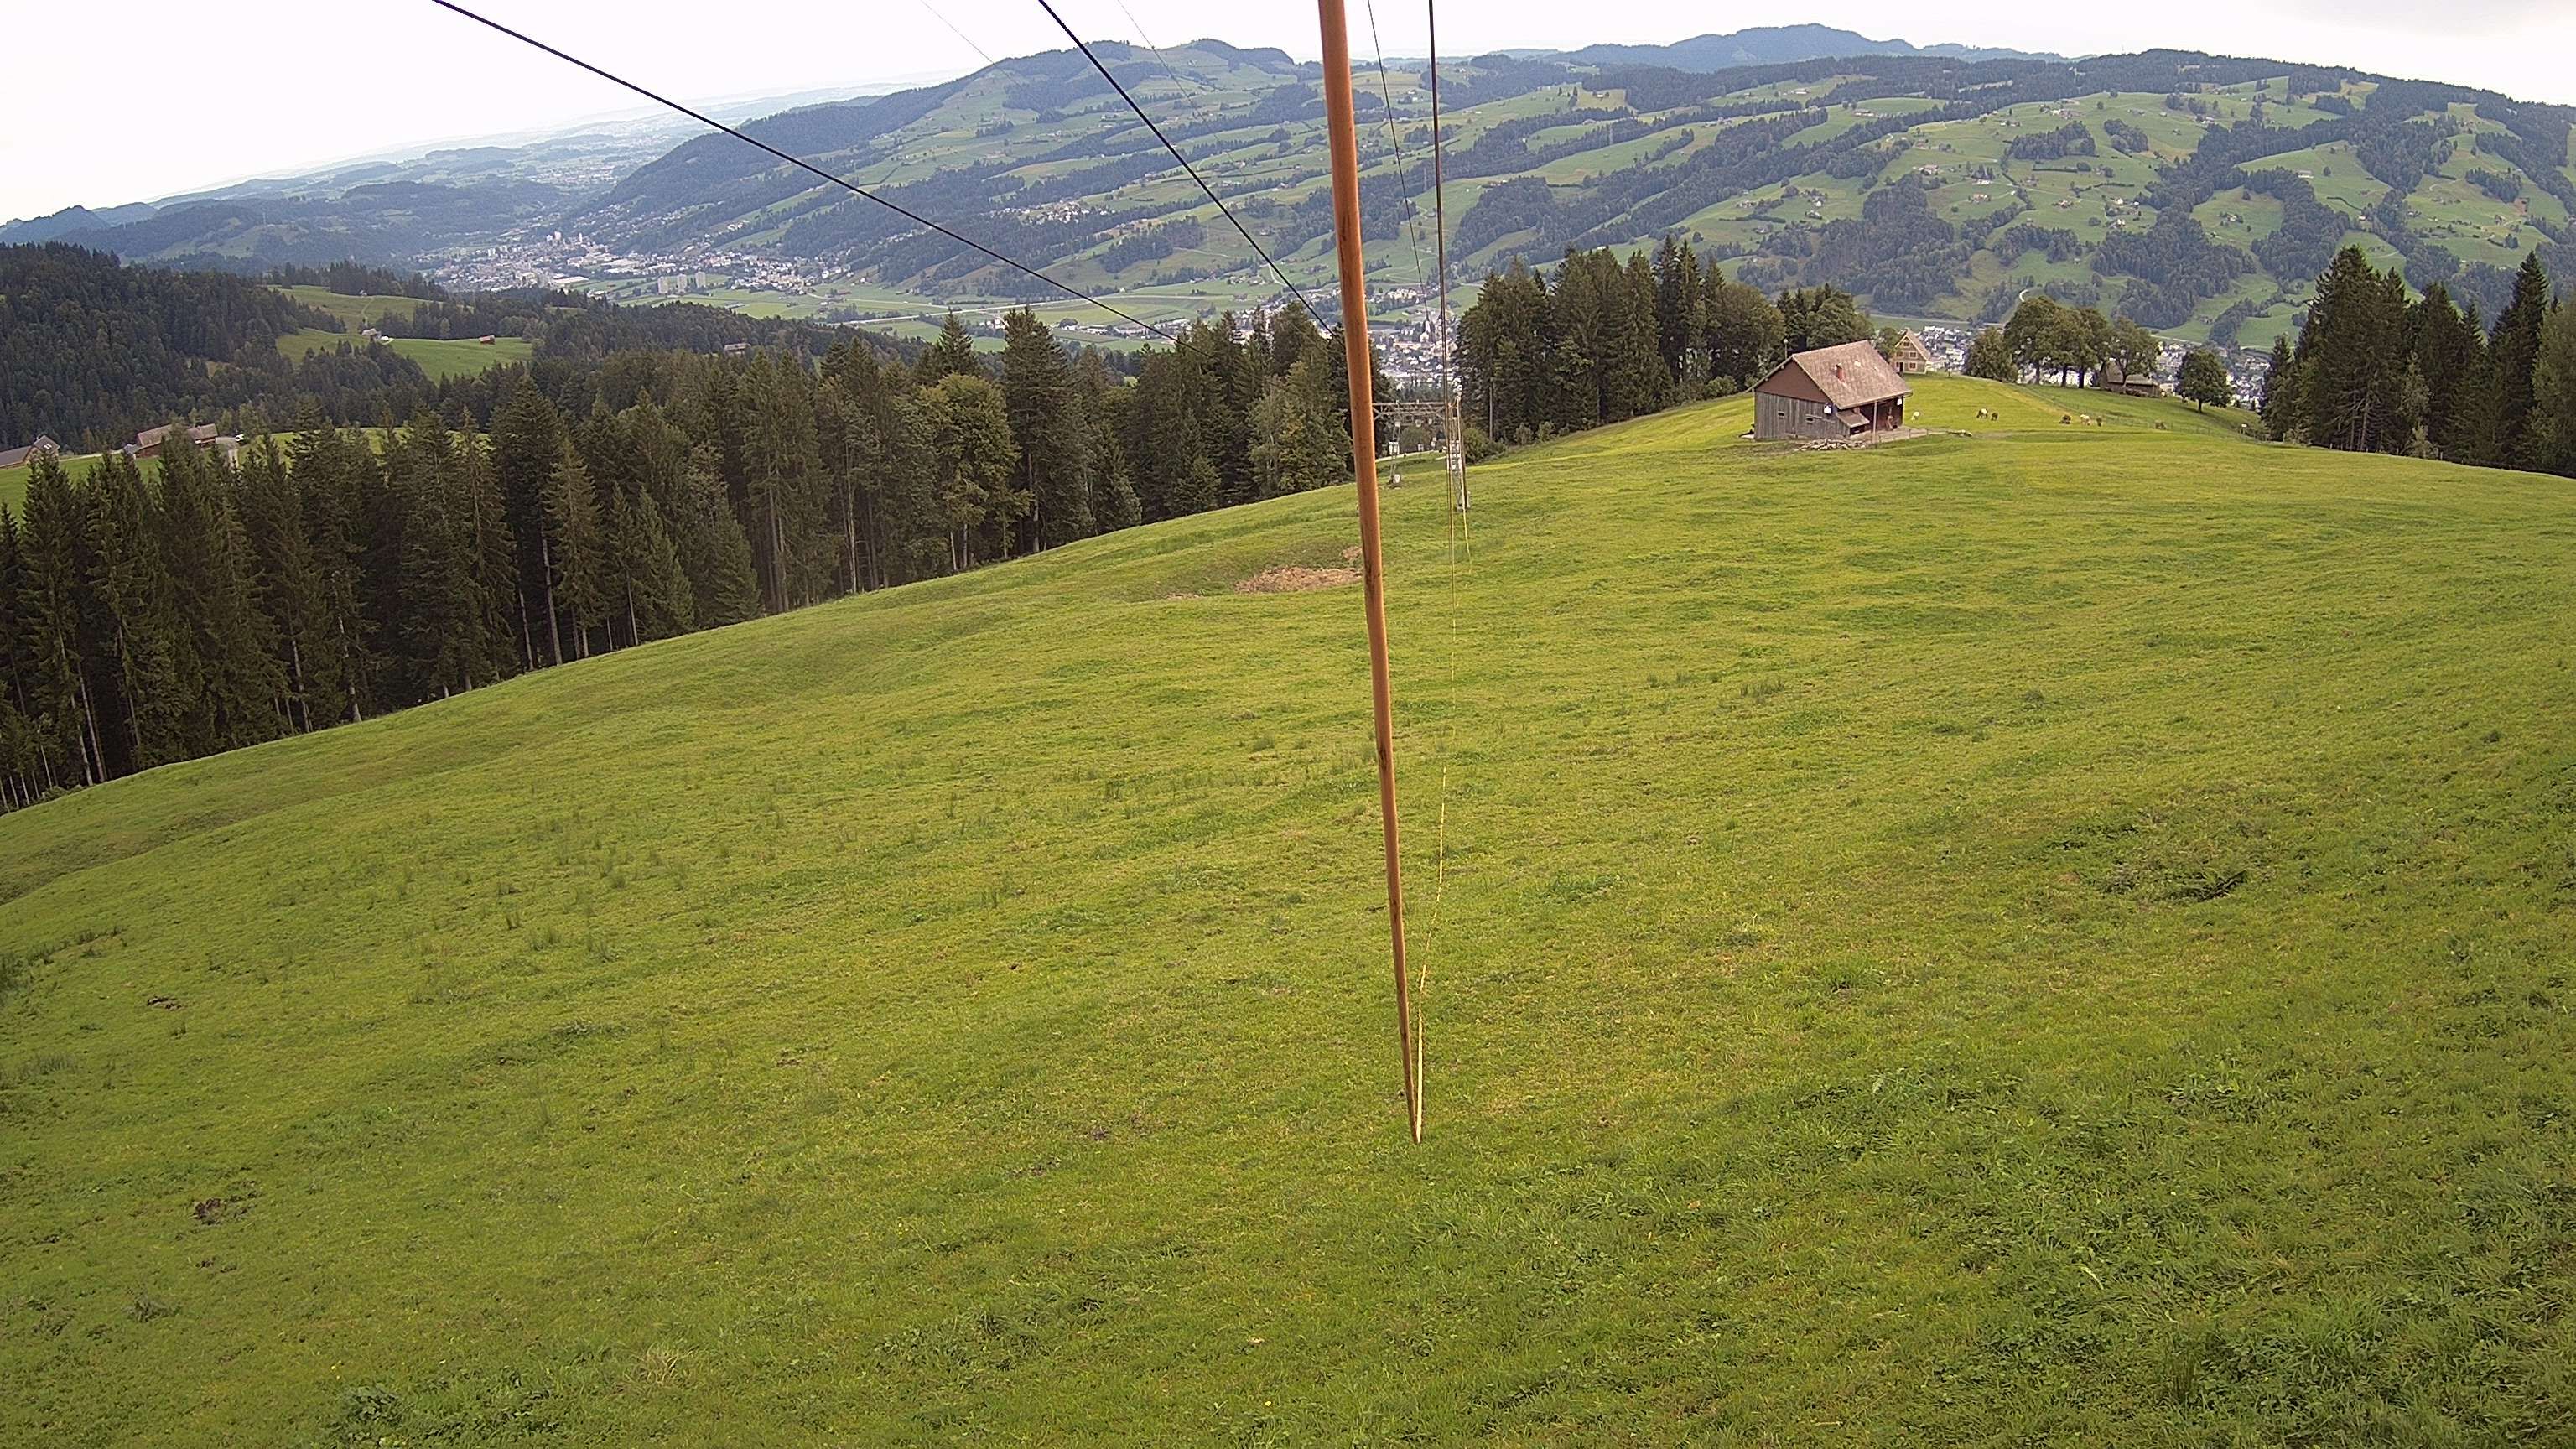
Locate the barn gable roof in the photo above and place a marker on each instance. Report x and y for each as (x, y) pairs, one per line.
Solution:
(11, 458)
(1850, 376)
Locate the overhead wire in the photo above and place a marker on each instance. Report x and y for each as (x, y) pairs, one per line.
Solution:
(1246, 232)
(1460, 552)
(960, 34)
(1395, 142)
(1439, 191)
(804, 165)
(1165, 60)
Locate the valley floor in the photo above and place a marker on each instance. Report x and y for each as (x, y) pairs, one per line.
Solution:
(2060, 935)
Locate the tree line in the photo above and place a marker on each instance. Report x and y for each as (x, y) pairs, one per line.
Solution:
(2079, 346)
(91, 350)
(2377, 369)
(160, 610)
(1600, 340)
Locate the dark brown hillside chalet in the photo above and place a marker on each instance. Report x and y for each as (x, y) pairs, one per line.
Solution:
(1841, 394)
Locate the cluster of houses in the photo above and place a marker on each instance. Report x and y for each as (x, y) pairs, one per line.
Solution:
(149, 442)
(146, 444)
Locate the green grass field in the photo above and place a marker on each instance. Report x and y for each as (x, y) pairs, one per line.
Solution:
(440, 357)
(2060, 936)
(13, 480)
(360, 313)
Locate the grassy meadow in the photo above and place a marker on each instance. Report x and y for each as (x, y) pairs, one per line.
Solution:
(441, 358)
(2054, 936)
(13, 479)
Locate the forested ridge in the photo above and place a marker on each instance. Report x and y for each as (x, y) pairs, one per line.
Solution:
(92, 351)
(159, 610)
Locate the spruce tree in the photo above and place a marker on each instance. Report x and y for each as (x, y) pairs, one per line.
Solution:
(22, 768)
(290, 584)
(492, 561)
(1108, 481)
(440, 627)
(846, 426)
(573, 548)
(622, 566)
(2281, 391)
(214, 579)
(1681, 311)
(527, 442)
(1584, 325)
(784, 470)
(970, 434)
(329, 468)
(951, 355)
(2512, 356)
(1195, 492)
(2350, 351)
(142, 627)
(1636, 379)
(1747, 338)
(664, 604)
(1054, 447)
(2447, 347)
(52, 606)
(903, 498)
(723, 586)
(2552, 431)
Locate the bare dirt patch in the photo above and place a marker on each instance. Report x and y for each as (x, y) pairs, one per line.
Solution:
(1293, 579)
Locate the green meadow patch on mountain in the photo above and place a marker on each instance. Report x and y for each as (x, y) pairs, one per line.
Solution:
(2035, 933)
(440, 358)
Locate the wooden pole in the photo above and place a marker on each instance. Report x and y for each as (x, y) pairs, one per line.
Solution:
(1355, 353)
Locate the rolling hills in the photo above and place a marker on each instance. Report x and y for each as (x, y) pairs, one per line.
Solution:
(2200, 194)
(2054, 935)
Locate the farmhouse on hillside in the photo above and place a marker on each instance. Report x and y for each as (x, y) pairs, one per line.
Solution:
(2116, 378)
(1843, 394)
(147, 444)
(1912, 354)
(12, 457)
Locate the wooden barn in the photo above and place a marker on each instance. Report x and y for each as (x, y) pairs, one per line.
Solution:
(2116, 378)
(1842, 394)
(12, 457)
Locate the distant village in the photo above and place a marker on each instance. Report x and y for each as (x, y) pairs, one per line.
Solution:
(1407, 333)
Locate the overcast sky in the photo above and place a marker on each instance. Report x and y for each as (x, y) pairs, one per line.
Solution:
(128, 100)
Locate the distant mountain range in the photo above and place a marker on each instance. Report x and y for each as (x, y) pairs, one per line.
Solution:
(1769, 45)
(573, 161)
(2199, 194)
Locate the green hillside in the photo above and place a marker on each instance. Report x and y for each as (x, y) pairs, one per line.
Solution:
(2059, 935)
(2200, 194)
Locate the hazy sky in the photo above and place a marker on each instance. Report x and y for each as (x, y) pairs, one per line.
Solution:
(139, 99)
